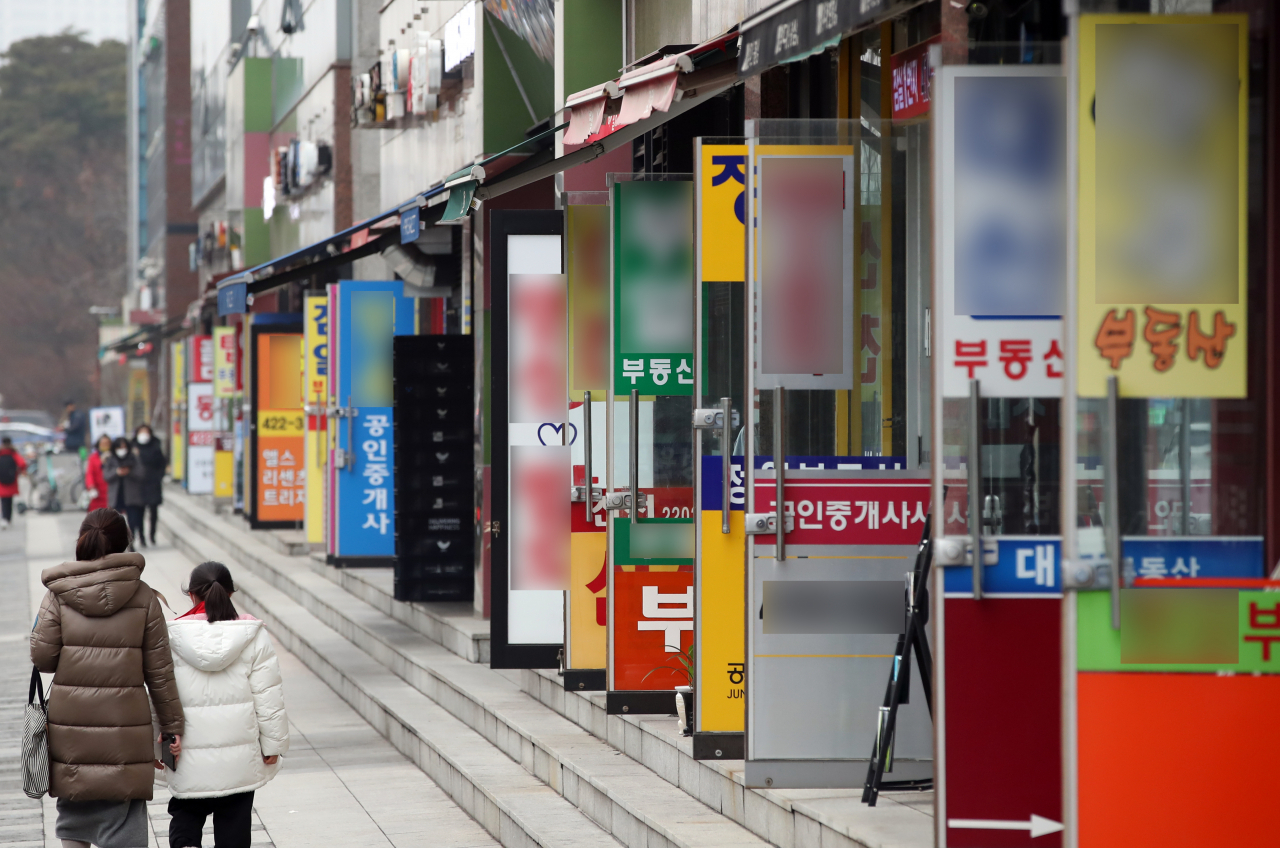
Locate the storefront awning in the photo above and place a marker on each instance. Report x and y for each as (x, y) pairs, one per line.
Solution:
(149, 334)
(791, 30)
(638, 101)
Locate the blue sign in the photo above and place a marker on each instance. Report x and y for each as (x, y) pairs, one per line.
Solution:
(1027, 565)
(369, 315)
(231, 298)
(410, 221)
(1032, 565)
(713, 471)
(1189, 556)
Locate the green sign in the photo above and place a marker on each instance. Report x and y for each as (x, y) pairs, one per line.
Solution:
(653, 288)
(1255, 640)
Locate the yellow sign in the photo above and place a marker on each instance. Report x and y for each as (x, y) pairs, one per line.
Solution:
(315, 388)
(178, 368)
(225, 360)
(139, 409)
(1163, 191)
(281, 422)
(224, 474)
(722, 654)
(587, 620)
(722, 209)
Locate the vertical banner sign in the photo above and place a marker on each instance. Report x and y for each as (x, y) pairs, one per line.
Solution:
(651, 579)
(719, 571)
(316, 393)
(202, 359)
(539, 433)
(369, 315)
(200, 418)
(653, 311)
(1000, 162)
(1163, 191)
(225, 365)
(201, 437)
(806, 277)
(225, 360)
(587, 235)
(1002, 182)
(139, 408)
(177, 406)
(280, 481)
(912, 80)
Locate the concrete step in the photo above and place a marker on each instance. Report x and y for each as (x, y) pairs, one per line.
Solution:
(455, 626)
(512, 805)
(491, 703)
(619, 794)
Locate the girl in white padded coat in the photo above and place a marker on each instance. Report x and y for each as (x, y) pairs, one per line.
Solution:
(229, 683)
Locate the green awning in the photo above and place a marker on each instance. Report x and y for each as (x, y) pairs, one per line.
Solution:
(459, 204)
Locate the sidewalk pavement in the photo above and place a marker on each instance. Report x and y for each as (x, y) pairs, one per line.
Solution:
(342, 783)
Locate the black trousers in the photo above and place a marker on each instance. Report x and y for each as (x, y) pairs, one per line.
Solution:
(232, 820)
(133, 514)
(153, 512)
(6, 508)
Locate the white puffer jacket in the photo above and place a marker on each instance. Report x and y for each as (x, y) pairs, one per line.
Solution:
(229, 682)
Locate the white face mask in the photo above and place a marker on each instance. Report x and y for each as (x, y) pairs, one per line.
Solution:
(143, 438)
(121, 452)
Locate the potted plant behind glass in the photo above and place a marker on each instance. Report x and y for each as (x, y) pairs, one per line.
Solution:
(686, 668)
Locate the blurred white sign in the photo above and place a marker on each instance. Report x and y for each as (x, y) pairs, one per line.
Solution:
(105, 421)
(1001, 163)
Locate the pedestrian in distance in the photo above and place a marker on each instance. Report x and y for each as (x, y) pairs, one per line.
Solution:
(125, 477)
(151, 456)
(229, 682)
(75, 428)
(12, 465)
(95, 481)
(102, 635)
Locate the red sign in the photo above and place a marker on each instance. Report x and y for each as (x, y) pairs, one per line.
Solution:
(859, 511)
(653, 622)
(912, 80)
(201, 438)
(202, 359)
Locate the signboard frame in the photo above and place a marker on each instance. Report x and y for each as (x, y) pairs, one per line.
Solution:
(504, 653)
(252, 507)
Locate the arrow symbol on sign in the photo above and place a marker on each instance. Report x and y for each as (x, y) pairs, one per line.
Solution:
(1038, 825)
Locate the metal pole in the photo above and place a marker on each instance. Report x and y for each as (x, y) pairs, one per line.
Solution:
(975, 483)
(1184, 462)
(726, 447)
(633, 459)
(1111, 491)
(586, 449)
(780, 471)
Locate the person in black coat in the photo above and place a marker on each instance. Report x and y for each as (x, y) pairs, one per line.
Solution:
(151, 457)
(124, 475)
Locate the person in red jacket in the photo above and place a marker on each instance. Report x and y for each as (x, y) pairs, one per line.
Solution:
(11, 466)
(95, 481)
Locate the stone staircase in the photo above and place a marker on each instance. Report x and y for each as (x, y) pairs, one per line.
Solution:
(533, 763)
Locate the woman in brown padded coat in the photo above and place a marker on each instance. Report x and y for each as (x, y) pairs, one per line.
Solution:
(102, 634)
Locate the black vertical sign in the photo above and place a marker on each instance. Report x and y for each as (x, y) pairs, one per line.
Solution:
(435, 461)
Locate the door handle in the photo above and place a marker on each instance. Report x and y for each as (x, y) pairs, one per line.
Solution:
(633, 458)
(1111, 491)
(975, 483)
(779, 472)
(351, 444)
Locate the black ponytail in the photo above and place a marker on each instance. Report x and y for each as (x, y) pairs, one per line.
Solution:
(102, 532)
(211, 583)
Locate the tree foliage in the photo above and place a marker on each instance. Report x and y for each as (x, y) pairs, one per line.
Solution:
(63, 213)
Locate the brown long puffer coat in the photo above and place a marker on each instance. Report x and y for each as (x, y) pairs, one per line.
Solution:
(101, 631)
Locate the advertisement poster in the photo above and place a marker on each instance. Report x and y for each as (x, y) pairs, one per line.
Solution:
(722, 232)
(316, 393)
(369, 315)
(200, 438)
(280, 485)
(1162, 301)
(1000, 310)
(653, 287)
(201, 359)
(106, 421)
